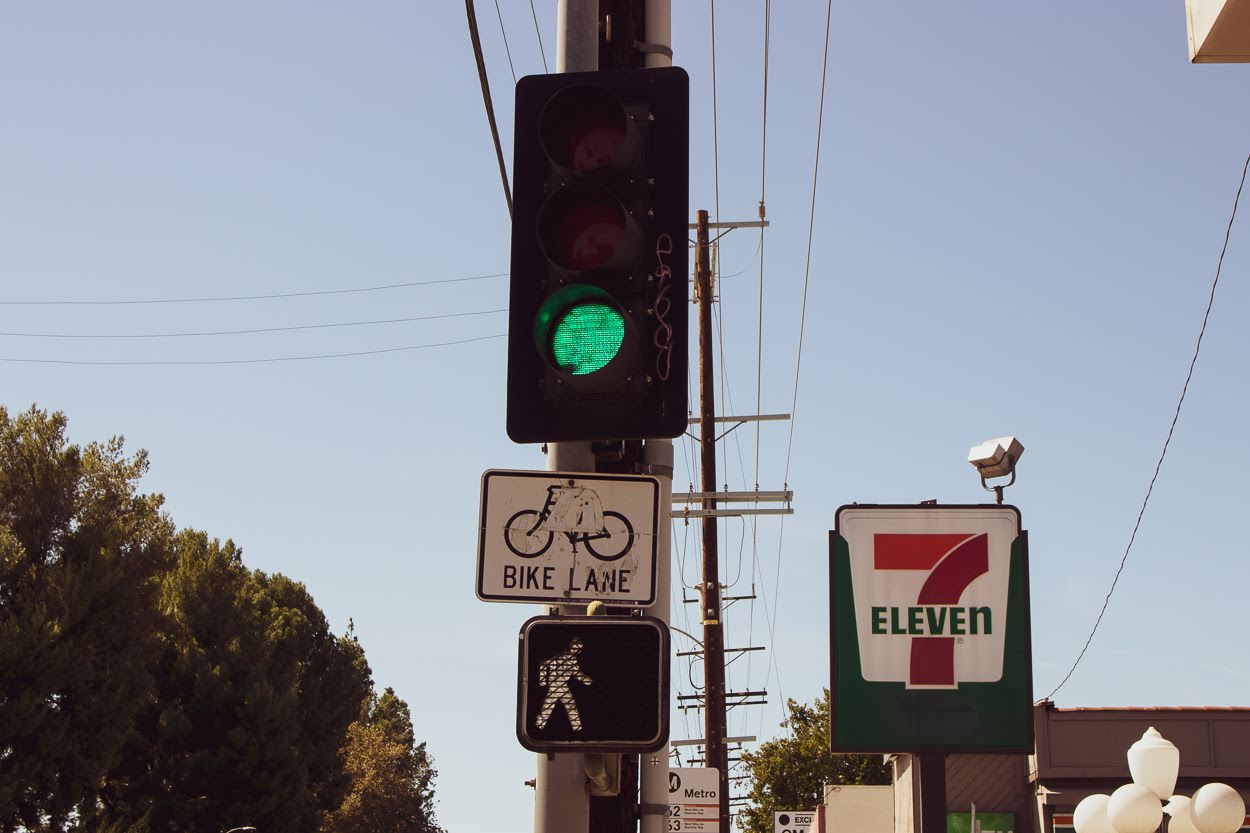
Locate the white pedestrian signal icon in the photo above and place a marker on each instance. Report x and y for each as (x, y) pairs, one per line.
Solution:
(555, 675)
(593, 683)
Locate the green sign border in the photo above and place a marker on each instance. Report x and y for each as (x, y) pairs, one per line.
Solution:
(888, 717)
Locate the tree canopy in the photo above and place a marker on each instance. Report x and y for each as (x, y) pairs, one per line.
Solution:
(789, 773)
(391, 776)
(151, 682)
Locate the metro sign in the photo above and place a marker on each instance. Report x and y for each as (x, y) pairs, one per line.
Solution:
(930, 629)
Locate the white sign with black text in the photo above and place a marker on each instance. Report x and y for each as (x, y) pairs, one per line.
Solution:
(694, 800)
(793, 821)
(567, 537)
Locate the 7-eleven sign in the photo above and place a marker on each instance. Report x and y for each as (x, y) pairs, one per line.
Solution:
(930, 626)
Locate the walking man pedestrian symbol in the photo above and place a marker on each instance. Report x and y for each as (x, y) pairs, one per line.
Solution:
(555, 674)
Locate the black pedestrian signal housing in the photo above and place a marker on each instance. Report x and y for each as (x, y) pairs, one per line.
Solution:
(597, 324)
(593, 684)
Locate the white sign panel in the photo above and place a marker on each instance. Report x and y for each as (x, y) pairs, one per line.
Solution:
(793, 821)
(567, 537)
(930, 591)
(694, 800)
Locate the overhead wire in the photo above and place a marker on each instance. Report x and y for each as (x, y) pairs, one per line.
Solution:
(759, 344)
(267, 297)
(257, 330)
(504, 33)
(1167, 441)
(807, 271)
(490, 108)
(539, 32)
(268, 360)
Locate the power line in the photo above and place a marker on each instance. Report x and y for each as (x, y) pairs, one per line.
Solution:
(506, 50)
(1171, 428)
(490, 108)
(798, 362)
(256, 361)
(538, 32)
(258, 330)
(272, 296)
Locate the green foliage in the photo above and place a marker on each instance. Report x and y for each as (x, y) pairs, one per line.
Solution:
(392, 778)
(80, 556)
(255, 696)
(152, 683)
(789, 773)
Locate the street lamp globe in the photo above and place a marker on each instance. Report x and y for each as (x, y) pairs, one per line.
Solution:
(1178, 807)
(1133, 808)
(1154, 762)
(1217, 808)
(1090, 815)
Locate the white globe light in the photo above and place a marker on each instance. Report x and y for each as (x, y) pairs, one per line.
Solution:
(1178, 808)
(1090, 816)
(1217, 808)
(1135, 809)
(1154, 762)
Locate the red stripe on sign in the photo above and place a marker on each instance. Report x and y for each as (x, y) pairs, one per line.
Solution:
(903, 551)
(949, 579)
(932, 660)
(933, 657)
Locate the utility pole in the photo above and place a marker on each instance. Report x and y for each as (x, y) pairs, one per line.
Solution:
(713, 631)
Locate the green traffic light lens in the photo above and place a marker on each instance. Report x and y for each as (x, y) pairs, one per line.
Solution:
(587, 337)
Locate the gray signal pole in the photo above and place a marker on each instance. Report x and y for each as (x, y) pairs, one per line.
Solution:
(562, 800)
(658, 456)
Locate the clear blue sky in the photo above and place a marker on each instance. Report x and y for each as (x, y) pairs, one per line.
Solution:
(1019, 212)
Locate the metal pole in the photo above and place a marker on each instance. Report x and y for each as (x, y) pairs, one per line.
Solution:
(561, 798)
(932, 791)
(658, 458)
(713, 632)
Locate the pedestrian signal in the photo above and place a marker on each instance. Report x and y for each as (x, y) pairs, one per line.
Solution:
(597, 320)
(593, 684)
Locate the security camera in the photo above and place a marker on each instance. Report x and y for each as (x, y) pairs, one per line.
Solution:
(996, 458)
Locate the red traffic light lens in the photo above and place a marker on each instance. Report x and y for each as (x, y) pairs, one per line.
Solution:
(584, 227)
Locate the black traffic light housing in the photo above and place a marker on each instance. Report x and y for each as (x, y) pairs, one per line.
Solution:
(598, 321)
(593, 684)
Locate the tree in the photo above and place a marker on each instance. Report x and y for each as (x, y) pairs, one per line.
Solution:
(152, 683)
(81, 552)
(392, 776)
(254, 699)
(789, 773)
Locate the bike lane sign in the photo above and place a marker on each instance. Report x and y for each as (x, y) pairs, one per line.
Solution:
(567, 537)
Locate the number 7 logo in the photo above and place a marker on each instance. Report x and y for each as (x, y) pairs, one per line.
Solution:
(954, 561)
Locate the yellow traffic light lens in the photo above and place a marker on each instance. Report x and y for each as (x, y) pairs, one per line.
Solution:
(587, 337)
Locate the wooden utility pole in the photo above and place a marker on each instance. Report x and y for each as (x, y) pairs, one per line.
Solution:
(713, 632)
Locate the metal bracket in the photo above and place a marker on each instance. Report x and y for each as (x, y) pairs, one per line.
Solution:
(655, 469)
(655, 49)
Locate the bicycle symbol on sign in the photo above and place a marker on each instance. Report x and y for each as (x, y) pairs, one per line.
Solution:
(578, 514)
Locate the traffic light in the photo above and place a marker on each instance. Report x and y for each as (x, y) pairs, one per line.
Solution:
(593, 684)
(597, 326)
